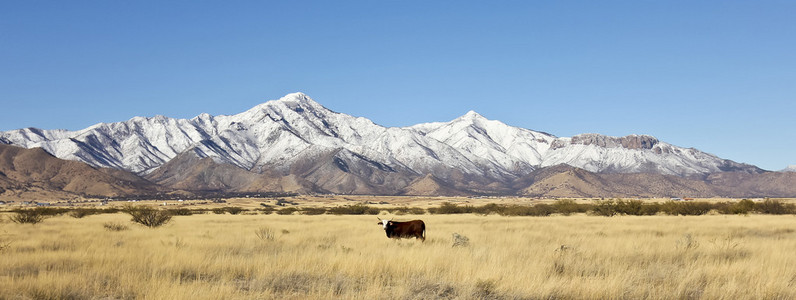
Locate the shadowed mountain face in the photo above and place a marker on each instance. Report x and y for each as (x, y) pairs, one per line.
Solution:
(30, 173)
(567, 181)
(295, 144)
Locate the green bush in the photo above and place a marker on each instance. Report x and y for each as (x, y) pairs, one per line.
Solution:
(650, 209)
(620, 207)
(148, 216)
(568, 206)
(357, 209)
(607, 208)
(774, 207)
(538, 210)
(630, 207)
(450, 208)
(686, 208)
(742, 207)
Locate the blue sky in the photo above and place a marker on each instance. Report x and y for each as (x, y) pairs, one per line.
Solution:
(719, 76)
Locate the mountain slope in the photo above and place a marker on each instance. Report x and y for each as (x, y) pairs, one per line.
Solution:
(430, 186)
(567, 181)
(35, 172)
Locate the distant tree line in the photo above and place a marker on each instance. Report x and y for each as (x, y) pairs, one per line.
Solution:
(564, 207)
(197, 195)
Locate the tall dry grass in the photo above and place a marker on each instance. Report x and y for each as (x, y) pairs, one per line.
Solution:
(292, 256)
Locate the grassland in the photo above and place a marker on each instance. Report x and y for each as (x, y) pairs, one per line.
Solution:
(213, 256)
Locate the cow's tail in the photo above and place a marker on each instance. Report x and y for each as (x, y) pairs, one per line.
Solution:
(424, 232)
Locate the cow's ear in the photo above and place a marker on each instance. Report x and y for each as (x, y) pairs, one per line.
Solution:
(389, 223)
(379, 223)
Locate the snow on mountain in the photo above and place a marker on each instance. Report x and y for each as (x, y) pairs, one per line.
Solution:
(280, 134)
(791, 168)
(499, 147)
(635, 154)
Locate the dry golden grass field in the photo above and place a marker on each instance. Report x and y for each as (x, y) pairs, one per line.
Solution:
(214, 256)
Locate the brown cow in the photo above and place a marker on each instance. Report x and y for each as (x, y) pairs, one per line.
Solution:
(409, 229)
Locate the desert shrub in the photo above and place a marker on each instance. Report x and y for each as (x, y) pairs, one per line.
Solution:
(234, 210)
(417, 211)
(357, 209)
(266, 209)
(487, 209)
(650, 209)
(148, 216)
(112, 226)
(219, 210)
(620, 207)
(630, 207)
(687, 242)
(287, 211)
(82, 212)
(283, 202)
(774, 207)
(486, 289)
(313, 211)
(742, 207)
(28, 216)
(51, 211)
(670, 208)
(181, 212)
(686, 208)
(4, 244)
(460, 240)
(568, 206)
(399, 210)
(265, 234)
(403, 210)
(450, 208)
(537, 210)
(607, 208)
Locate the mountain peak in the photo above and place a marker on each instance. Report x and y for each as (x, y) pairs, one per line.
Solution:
(297, 96)
(471, 115)
(298, 102)
(791, 168)
(299, 99)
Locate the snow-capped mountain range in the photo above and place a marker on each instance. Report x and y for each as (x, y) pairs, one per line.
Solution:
(279, 135)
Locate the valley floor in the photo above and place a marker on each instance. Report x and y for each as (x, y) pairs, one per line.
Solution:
(213, 256)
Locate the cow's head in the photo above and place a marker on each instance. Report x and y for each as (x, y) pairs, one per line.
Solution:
(385, 223)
